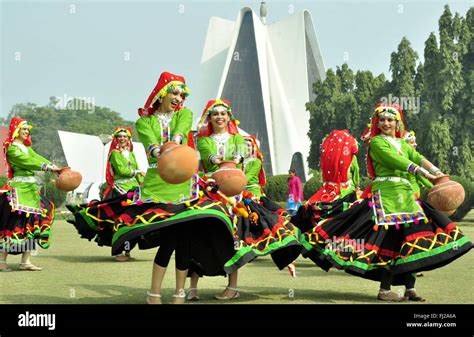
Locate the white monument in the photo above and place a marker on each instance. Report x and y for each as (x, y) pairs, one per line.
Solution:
(266, 71)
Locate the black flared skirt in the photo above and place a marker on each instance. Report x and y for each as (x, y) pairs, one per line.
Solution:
(351, 241)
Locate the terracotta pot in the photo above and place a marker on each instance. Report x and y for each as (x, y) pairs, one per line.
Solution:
(68, 180)
(448, 213)
(446, 195)
(177, 163)
(231, 180)
(228, 164)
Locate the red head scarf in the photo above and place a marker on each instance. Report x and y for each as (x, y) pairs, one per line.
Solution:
(16, 124)
(337, 151)
(116, 146)
(204, 125)
(373, 129)
(258, 154)
(166, 83)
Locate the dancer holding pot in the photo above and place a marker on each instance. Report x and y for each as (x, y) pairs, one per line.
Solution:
(122, 175)
(219, 141)
(264, 231)
(26, 216)
(392, 234)
(177, 216)
(122, 171)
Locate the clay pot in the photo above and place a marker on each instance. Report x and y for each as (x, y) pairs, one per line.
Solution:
(177, 163)
(231, 180)
(446, 195)
(68, 179)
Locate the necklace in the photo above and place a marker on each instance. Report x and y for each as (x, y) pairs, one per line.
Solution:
(21, 146)
(220, 138)
(394, 141)
(126, 153)
(165, 118)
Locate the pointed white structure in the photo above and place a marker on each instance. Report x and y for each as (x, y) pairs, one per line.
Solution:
(266, 72)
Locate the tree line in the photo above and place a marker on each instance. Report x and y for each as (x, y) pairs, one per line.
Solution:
(47, 120)
(437, 96)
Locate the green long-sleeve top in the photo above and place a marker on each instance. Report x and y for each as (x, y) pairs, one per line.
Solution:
(393, 191)
(24, 187)
(354, 179)
(208, 147)
(418, 182)
(153, 133)
(125, 169)
(24, 163)
(252, 167)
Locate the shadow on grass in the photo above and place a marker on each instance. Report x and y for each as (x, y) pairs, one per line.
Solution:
(103, 295)
(303, 270)
(269, 295)
(313, 295)
(87, 258)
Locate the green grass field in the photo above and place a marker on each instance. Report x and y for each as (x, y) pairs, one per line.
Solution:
(78, 271)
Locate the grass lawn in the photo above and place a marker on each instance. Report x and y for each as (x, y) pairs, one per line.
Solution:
(78, 271)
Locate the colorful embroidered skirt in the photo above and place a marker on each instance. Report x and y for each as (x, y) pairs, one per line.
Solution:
(310, 215)
(20, 231)
(136, 223)
(351, 241)
(267, 231)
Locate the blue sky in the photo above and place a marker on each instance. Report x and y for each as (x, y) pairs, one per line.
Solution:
(114, 51)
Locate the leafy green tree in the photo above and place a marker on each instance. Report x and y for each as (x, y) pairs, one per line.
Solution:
(445, 22)
(403, 68)
(444, 119)
(465, 101)
(440, 143)
(454, 38)
(343, 101)
(47, 120)
(322, 113)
